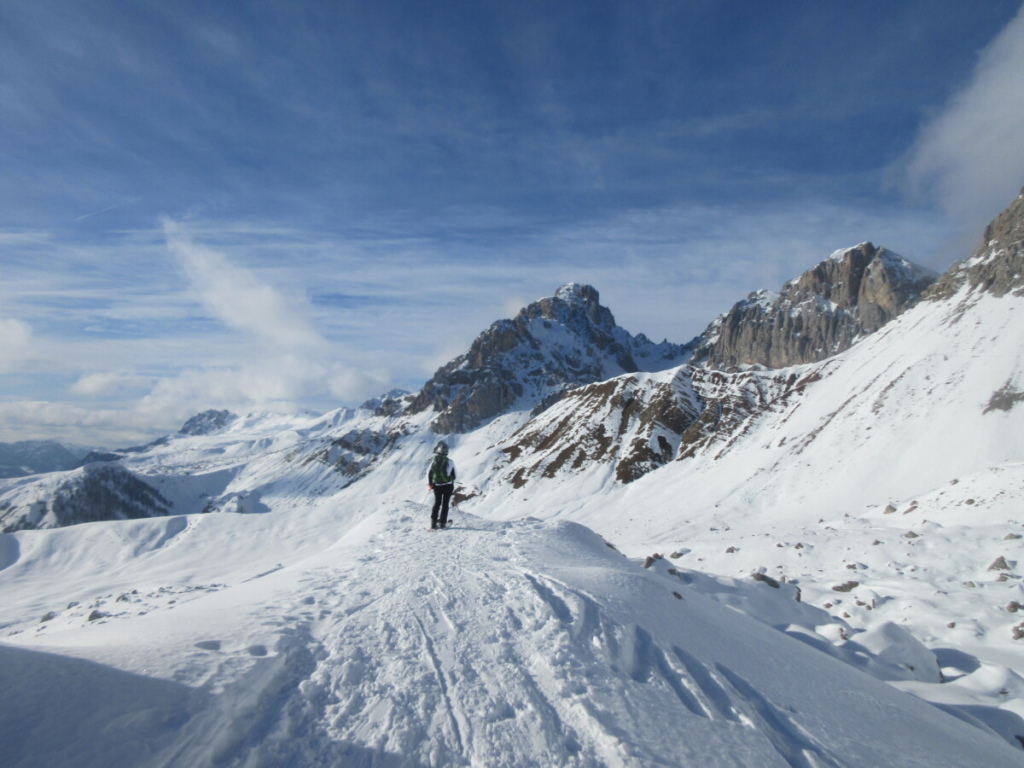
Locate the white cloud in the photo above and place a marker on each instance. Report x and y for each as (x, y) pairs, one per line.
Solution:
(15, 343)
(239, 297)
(970, 157)
(70, 424)
(108, 383)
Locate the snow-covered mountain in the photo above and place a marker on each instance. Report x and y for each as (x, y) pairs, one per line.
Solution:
(800, 548)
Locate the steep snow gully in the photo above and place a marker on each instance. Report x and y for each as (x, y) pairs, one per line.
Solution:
(521, 643)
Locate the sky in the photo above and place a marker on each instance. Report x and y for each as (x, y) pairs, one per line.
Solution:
(301, 205)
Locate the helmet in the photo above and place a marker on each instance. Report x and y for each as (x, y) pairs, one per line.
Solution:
(441, 447)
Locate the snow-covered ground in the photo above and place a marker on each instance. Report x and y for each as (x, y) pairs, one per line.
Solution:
(350, 635)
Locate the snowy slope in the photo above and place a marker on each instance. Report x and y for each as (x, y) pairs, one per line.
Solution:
(348, 636)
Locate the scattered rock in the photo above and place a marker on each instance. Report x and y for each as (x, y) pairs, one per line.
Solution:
(999, 564)
(97, 614)
(677, 596)
(889, 509)
(1013, 606)
(910, 535)
(765, 578)
(651, 560)
(951, 624)
(846, 586)
(875, 543)
(1011, 536)
(969, 502)
(731, 550)
(799, 545)
(49, 617)
(970, 584)
(676, 555)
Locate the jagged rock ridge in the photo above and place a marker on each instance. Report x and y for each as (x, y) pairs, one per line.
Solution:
(852, 293)
(551, 346)
(995, 264)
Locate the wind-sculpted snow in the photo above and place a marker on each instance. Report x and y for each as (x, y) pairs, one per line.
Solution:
(492, 644)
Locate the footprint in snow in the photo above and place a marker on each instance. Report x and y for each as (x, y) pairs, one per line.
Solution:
(209, 645)
(257, 650)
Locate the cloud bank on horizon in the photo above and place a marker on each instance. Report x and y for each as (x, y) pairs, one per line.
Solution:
(284, 209)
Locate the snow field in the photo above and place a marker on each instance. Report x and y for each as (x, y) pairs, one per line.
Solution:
(380, 643)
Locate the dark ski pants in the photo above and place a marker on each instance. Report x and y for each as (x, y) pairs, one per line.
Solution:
(442, 497)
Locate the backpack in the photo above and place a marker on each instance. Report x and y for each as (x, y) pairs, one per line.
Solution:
(439, 470)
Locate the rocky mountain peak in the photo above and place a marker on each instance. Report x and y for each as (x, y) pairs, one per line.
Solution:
(551, 345)
(853, 292)
(207, 422)
(579, 298)
(997, 263)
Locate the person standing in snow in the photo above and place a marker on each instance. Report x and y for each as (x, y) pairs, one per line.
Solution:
(441, 477)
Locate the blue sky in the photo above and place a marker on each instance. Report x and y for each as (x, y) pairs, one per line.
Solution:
(303, 204)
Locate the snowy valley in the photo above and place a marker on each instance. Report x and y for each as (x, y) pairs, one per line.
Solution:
(793, 541)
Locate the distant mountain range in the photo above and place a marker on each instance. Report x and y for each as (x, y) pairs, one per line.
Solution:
(31, 457)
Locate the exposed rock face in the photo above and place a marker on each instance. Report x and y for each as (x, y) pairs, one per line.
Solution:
(357, 451)
(997, 263)
(632, 422)
(852, 293)
(207, 423)
(637, 423)
(528, 362)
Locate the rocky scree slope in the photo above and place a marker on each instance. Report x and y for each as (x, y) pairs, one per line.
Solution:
(852, 293)
(551, 346)
(629, 426)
